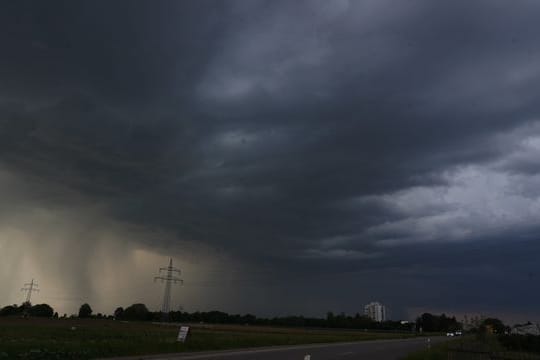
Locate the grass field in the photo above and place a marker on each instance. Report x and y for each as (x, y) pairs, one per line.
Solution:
(471, 348)
(91, 338)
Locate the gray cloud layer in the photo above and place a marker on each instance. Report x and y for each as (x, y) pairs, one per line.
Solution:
(388, 148)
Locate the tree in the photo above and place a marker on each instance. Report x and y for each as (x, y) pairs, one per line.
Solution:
(136, 312)
(118, 312)
(85, 311)
(25, 308)
(427, 322)
(493, 325)
(41, 310)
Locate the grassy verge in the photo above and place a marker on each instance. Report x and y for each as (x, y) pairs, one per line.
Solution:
(86, 339)
(488, 348)
(437, 352)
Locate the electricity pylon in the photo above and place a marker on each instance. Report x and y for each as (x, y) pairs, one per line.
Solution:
(169, 278)
(30, 288)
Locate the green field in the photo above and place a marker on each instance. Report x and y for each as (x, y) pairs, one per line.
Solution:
(91, 338)
(472, 348)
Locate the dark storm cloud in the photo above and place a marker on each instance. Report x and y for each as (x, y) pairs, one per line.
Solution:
(342, 137)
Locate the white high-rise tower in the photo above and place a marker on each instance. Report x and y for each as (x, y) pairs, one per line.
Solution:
(375, 311)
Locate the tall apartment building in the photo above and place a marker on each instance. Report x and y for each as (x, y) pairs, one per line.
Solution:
(375, 311)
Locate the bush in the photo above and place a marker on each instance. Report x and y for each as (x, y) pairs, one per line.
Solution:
(529, 343)
(10, 310)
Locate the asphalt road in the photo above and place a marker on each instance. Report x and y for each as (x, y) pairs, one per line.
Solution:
(364, 350)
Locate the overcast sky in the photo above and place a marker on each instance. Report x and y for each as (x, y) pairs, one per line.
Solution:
(293, 157)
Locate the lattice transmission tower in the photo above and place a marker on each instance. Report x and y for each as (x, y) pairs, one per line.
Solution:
(30, 288)
(169, 277)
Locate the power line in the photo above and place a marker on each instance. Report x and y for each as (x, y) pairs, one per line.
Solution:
(169, 278)
(30, 288)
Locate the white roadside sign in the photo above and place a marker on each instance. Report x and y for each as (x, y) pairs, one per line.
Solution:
(182, 335)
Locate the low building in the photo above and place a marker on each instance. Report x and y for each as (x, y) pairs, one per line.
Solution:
(376, 311)
(529, 329)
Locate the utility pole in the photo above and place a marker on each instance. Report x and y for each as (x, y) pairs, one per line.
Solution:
(29, 288)
(169, 278)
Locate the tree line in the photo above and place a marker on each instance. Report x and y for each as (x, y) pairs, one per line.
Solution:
(27, 309)
(437, 323)
(139, 312)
